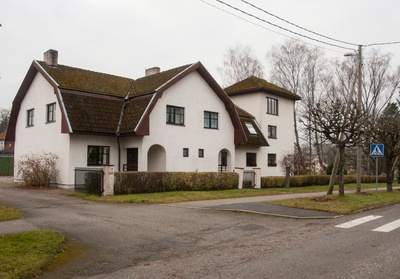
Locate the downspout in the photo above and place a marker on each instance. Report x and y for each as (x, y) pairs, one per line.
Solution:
(118, 132)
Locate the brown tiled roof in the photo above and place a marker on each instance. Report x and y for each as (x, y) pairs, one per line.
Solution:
(94, 101)
(258, 139)
(88, 81)
(149, 84)
(92, 113)
(253, 84)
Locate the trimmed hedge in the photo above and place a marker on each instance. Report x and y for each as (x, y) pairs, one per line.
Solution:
(151, 182)
(309, 180)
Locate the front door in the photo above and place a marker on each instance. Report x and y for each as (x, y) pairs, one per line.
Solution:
(132, 159)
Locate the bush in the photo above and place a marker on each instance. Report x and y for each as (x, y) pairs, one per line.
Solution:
(310, 180)
(151, 182)
(38, 170)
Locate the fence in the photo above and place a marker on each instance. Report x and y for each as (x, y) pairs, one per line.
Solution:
(6, 165)
(89, 180)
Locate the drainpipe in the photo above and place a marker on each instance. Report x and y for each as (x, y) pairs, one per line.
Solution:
(118, 132)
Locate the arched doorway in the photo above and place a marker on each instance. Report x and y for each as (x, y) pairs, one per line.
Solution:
(156, 158)
(224, 160)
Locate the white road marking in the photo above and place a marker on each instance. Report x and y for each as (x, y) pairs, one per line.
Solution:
(388, 227)
(358, 221)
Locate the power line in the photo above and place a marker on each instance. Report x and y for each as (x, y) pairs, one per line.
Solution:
(261, 26)
(298, 26)
(315, 33)
(280, 27)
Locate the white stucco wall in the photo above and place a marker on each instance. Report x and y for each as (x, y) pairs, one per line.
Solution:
(196, 96)
(42, 137)
(255, 103)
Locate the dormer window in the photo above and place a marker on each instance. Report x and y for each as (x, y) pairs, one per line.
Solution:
(250, 128)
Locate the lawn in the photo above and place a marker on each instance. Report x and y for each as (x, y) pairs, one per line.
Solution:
(348, 204)
(7, 213)
(181, 196)
(25, 255)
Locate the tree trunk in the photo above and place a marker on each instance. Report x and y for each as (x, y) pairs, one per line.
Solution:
(334, 172)
(341, 170)
(390, 175)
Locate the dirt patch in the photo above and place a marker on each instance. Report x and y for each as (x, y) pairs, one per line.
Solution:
(321, 199)
(364, 194)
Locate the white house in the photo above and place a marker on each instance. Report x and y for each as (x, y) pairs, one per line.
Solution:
(176, 120)
(273, 109)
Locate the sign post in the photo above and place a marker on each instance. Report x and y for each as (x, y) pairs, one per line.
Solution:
(377, 151)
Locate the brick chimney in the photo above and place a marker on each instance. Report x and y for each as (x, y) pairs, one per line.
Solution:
(152, 71)
(51, 57)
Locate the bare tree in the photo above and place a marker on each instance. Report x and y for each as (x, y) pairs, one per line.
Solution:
(336, 117)
(240, 63)
(387, 132)
(301, 70)
(4, 117)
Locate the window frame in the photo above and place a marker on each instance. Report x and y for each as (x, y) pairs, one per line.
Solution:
(99, 154)
(251, 159)
(270, 158)
(30, 117)
(272, 132)
(51, 113)
(185, 152)
(210, 120)
(272, 106)
(201, 153)
(174, 117)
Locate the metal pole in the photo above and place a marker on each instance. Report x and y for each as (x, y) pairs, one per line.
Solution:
(359, 147)
(376, 180)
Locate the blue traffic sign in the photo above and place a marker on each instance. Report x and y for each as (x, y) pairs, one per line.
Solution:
(377, 150)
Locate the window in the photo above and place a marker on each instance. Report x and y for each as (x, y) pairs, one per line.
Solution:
(175, 115)
(51, 113)
(98, 155)
(250, 127)
(30, 114)
(210, 120)
(272, 106)
(201, 153)
(271, 132)
(271, 160)
(186, 152)
(251, 159)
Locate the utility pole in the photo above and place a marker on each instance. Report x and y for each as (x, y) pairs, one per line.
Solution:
(359, 146)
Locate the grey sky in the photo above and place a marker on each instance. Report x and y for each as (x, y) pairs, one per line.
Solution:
(124, 37)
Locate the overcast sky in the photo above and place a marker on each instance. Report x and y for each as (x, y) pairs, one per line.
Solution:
(124, 37)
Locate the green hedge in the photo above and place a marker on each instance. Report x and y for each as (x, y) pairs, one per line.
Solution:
(309, 180)
(151, 182)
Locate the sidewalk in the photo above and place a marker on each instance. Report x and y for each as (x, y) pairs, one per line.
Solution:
(259, 205)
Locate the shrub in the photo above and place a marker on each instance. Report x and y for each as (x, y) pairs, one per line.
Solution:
(150, 182)
(38, 170)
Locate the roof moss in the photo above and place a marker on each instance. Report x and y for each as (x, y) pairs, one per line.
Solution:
(254, 84)
(88, 81)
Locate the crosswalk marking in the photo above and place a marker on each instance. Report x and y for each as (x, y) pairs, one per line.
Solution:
(388, 227)
(358, 221)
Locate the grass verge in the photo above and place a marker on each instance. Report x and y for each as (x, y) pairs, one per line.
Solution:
(181, 196)
(7, 213)
(348, 204)
(27, 254)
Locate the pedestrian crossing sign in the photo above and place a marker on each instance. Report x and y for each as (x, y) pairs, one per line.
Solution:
(377, 150)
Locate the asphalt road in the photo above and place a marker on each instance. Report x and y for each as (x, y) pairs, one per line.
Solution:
(171, 241)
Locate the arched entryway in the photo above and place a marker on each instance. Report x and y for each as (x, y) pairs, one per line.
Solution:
(156, 158)
(224, 160)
